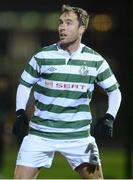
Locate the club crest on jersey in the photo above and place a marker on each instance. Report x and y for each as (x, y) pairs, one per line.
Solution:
(84, 70)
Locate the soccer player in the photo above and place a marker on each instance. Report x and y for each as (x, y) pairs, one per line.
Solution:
(62, 76)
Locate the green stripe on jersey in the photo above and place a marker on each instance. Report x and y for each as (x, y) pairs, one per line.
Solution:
(29, 69)
(112, 88)
(60, 93)
(74, 62)
(25, 83)
(88, 63)
(60, 109)
(89, 50)
(69, 78)
(57, 135)
(104, 75)
(61, 124)
(50, 61)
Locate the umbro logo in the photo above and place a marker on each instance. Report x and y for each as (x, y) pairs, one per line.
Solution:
(52, 69)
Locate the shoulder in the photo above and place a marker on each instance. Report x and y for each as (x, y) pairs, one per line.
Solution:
(46, 50)
(52, 47)
(92, 56)
(91, 51)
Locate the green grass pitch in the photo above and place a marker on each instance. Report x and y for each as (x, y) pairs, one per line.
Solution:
(112, 163)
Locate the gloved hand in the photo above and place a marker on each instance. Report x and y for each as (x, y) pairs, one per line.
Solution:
(21, 124)
(103, 129)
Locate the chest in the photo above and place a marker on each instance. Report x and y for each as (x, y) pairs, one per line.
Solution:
(69, 66)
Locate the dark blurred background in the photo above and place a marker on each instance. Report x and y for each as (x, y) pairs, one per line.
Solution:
(26, 26)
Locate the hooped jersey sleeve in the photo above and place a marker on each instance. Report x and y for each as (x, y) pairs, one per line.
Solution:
(105, 78)
(31, 73)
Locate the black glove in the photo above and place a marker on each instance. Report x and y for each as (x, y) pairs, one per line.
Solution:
(103, 129)
(21, 124)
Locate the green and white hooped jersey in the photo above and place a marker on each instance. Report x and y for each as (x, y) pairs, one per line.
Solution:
(63, 86)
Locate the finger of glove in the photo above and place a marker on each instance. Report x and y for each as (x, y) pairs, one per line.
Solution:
(108, 123)
(22, 119)
(19, 127)
(107, 132)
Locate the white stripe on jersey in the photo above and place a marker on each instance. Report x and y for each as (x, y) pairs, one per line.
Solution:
(69, 69)
(108, 82)
(63, 116)
(64, 102)
(29, 79)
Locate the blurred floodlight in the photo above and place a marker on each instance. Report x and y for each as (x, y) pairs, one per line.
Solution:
(8, 20)
(31, 20)
(50, 21)
(102, 22)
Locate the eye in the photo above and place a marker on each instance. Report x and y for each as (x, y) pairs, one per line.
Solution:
(68, 22)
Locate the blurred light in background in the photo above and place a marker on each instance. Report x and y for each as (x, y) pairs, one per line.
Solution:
(102, 22)
(8, 20)
(49, 21)
(29, 21)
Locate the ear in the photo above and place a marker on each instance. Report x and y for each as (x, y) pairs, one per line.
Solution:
(82, 29)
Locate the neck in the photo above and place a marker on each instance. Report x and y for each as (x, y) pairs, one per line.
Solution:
(71, 47)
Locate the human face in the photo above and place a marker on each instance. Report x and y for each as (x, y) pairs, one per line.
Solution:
(69, 30)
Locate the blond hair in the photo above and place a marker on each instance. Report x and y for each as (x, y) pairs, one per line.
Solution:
(82, 15)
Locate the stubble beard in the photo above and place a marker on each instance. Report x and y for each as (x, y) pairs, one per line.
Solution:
(66, 45)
